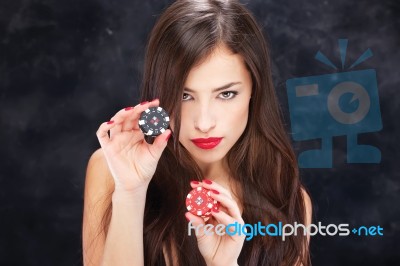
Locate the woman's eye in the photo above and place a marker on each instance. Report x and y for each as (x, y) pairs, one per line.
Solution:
(226, 95)
(185, 97)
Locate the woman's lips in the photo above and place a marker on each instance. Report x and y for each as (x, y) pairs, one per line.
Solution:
(206, 144)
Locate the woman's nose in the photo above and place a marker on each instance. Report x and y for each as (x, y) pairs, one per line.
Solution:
(205, 120)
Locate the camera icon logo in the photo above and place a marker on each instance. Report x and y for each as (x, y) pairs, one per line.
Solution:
(338, 104)
(358, 93)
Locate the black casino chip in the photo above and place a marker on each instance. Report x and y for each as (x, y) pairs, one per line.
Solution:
(154, 121)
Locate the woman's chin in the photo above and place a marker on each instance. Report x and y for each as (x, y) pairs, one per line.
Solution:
(208, 158)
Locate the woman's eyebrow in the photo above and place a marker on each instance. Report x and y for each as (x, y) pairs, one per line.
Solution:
(217, 89)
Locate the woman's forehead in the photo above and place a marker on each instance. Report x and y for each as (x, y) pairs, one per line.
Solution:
(220, 68)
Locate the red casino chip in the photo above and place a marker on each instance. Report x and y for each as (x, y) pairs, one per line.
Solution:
(215, 207)
(200, 203)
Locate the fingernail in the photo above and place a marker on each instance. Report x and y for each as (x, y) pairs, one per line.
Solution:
(167, 138)
(142, 103)
(128, 108)
(214, 191)
(195, 182)
(110, 122)
(155, 99)
(215, 210)
(207, 181)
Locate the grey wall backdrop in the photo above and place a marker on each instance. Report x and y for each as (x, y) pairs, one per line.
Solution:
(67, 66)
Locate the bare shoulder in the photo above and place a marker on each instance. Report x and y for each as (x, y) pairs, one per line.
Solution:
(308, 219)
(308, 205)
(99, 185)
(98, 174)
(306, 196)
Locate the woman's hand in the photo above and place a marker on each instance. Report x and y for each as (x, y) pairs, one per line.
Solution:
(132, 161)
(219, 249)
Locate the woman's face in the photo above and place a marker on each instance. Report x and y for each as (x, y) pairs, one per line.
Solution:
(215, 106)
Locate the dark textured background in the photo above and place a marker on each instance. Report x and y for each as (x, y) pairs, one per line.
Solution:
(68, 65)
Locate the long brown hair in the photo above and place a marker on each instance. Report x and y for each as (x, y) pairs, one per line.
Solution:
(262, 161)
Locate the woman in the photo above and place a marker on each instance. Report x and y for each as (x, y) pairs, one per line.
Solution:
(207, 64)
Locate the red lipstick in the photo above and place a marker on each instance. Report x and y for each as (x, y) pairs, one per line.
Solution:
(206, 144)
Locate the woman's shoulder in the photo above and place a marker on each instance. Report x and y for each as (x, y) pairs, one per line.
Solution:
(308, 205)
(306, 197)
(99, 185)
(97, 156)
(98, 175)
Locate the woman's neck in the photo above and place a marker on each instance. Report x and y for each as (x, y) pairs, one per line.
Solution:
(216, 171)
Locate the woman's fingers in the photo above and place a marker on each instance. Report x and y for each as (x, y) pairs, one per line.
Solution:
(197, 223)
(228, 213)
(228, 203)
(221, 194)
(195, 184)
(159, 144)
(223, 218)
(127, 119)
(102, 133)
(208, 184)
(224, 197)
